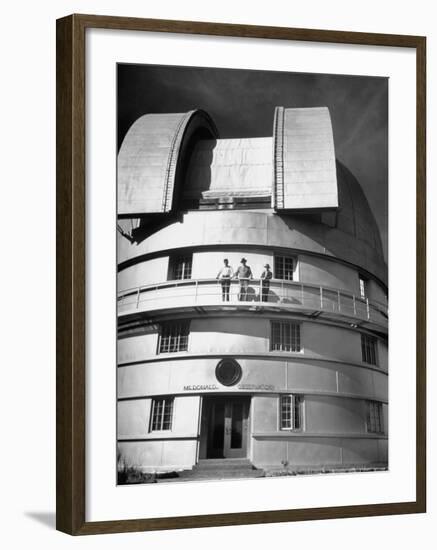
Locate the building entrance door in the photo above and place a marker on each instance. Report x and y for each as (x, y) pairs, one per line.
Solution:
(227, 421)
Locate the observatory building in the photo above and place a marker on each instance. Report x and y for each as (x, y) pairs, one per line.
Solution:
(289, 373)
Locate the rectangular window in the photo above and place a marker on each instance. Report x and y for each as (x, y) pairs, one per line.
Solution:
(173, 336)
(284, 268)
(368, 349)
(374, 417)
(291, 412)
(180, 267)
(363, 287)
(285, 336)
(162, 414)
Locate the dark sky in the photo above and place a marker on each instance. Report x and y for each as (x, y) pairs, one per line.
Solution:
(242, 103)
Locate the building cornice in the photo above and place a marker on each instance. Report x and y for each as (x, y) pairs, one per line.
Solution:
(280, 434)
(253, 393)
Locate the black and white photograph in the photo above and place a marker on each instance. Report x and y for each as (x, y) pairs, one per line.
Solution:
(218, 287)
(252, 281)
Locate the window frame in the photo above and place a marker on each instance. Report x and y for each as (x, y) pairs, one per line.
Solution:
(166, 400)
(377, 419)
(365, 346)
(294, 271)
(281, 336)
(297, 400)
(173, 260)
(178, 323)
(364, 287)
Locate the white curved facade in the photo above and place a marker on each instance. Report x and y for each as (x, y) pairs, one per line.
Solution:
(297, 379)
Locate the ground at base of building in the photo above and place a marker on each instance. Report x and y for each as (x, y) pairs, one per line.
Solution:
(132, 475)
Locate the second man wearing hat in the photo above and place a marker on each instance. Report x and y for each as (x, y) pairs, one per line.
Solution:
(243, 274)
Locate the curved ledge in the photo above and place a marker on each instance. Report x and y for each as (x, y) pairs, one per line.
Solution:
(262, 435)
(310, 300)
(303, 435)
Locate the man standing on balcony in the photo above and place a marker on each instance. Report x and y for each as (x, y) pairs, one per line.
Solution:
(265, 283)
(243, 274)
(224, 276)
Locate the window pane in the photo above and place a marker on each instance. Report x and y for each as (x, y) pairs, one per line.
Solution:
(284, 267)
(368, 349)
(174, 336)
(278, 267)
(288, 269)
(276, 336)
(297, 415)
(285, 336)
(374, 417)
(286, 333)
(180, 267)
(291, 412)
(286, 412)
(162, 413)
(363, 289)
(157, 414)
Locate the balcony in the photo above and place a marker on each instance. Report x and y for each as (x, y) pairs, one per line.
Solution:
(292, 296)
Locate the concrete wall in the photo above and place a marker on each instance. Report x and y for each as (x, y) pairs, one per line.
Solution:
(156, 451)
(307, 452)
(333, 415)
(194, 376)
(330, 434)
(144, 273)
(158, 456)
(139, 346)
(326, 273)
(323, 416)
(240, 335)
(133, 418)
(376, 292)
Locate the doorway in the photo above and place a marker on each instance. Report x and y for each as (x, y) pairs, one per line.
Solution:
(225, 421)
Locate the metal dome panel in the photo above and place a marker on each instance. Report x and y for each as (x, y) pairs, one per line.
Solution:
(304, 175)
(149, 158)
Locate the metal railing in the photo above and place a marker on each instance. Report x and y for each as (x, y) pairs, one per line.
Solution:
(283, 294)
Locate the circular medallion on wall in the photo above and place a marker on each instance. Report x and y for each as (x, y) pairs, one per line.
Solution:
(228, 372)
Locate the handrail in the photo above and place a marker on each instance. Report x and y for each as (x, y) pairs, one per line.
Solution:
(329, 299)
(283, 282)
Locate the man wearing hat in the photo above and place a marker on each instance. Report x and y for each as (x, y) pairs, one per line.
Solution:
(265, 283)
(224, 276)
(243, 274)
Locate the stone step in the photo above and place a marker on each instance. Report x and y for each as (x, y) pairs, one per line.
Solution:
(220, 474)
(219, 468)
